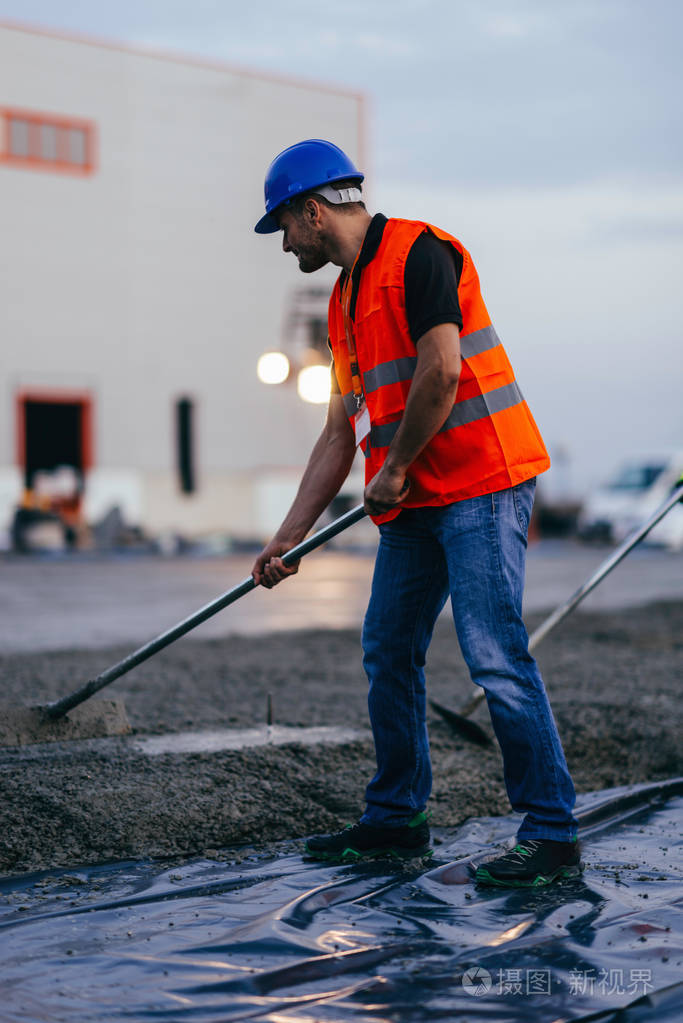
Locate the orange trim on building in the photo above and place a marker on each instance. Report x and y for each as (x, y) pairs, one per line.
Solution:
(34, 159)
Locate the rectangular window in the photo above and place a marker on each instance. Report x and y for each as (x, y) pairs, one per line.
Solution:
(185, 444)
(47, 142)
(18, 137)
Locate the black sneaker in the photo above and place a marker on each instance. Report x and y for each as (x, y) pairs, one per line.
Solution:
(369, 841)
(531, 863)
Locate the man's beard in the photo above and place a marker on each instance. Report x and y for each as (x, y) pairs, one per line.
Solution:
(312, 253)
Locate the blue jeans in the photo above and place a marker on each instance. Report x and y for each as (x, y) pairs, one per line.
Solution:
(475, 550)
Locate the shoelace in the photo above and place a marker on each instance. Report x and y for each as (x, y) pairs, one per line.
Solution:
(349, 829)
(523, 851)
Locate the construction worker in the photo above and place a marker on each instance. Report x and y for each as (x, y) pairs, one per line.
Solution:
(422, 384)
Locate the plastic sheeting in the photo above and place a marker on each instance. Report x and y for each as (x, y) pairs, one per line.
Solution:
(284, 940)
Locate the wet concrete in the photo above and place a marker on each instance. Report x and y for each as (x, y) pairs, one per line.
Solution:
(21, 725)
(613, 679)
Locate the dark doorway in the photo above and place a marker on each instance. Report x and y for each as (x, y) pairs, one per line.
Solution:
(53, 433)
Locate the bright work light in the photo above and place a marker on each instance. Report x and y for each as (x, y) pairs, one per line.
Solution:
(313, 384)
(273, 368)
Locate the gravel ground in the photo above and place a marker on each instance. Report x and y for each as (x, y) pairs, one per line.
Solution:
(613, 680)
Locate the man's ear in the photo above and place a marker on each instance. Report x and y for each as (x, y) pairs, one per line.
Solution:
(312, 210)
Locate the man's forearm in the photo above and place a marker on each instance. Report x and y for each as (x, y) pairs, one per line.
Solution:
(430, 400)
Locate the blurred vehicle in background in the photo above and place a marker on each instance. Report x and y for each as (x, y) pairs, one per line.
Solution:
(636, 491)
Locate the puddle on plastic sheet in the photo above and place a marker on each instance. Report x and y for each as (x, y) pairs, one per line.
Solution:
(284, 940)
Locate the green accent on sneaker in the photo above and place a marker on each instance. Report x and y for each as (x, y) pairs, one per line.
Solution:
(482, 876)
(531, 863)
(351, 855)
(362, 841)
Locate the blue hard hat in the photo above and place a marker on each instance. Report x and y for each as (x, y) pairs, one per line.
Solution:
(301, 168)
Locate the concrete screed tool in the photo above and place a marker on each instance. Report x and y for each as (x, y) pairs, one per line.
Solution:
(70, 718)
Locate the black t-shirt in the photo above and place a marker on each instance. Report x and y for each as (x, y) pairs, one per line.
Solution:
(431, 277)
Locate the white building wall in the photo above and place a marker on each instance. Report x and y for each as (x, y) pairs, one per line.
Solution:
(144, 282)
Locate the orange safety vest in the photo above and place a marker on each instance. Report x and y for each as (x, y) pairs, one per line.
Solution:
(489, 441)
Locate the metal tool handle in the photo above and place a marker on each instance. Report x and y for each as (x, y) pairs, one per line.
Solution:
(67, 703)
(615, 557)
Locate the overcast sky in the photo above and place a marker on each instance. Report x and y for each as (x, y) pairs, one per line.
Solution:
(546, 135)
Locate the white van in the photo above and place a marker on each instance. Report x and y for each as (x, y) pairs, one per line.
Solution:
(632, 496)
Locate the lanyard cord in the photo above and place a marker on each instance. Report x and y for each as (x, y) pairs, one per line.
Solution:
(350, 340)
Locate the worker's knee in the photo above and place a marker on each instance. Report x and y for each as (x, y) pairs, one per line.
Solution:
(390, 651)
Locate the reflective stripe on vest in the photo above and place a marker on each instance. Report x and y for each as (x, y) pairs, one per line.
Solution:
(463, 412)
(396, 370)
